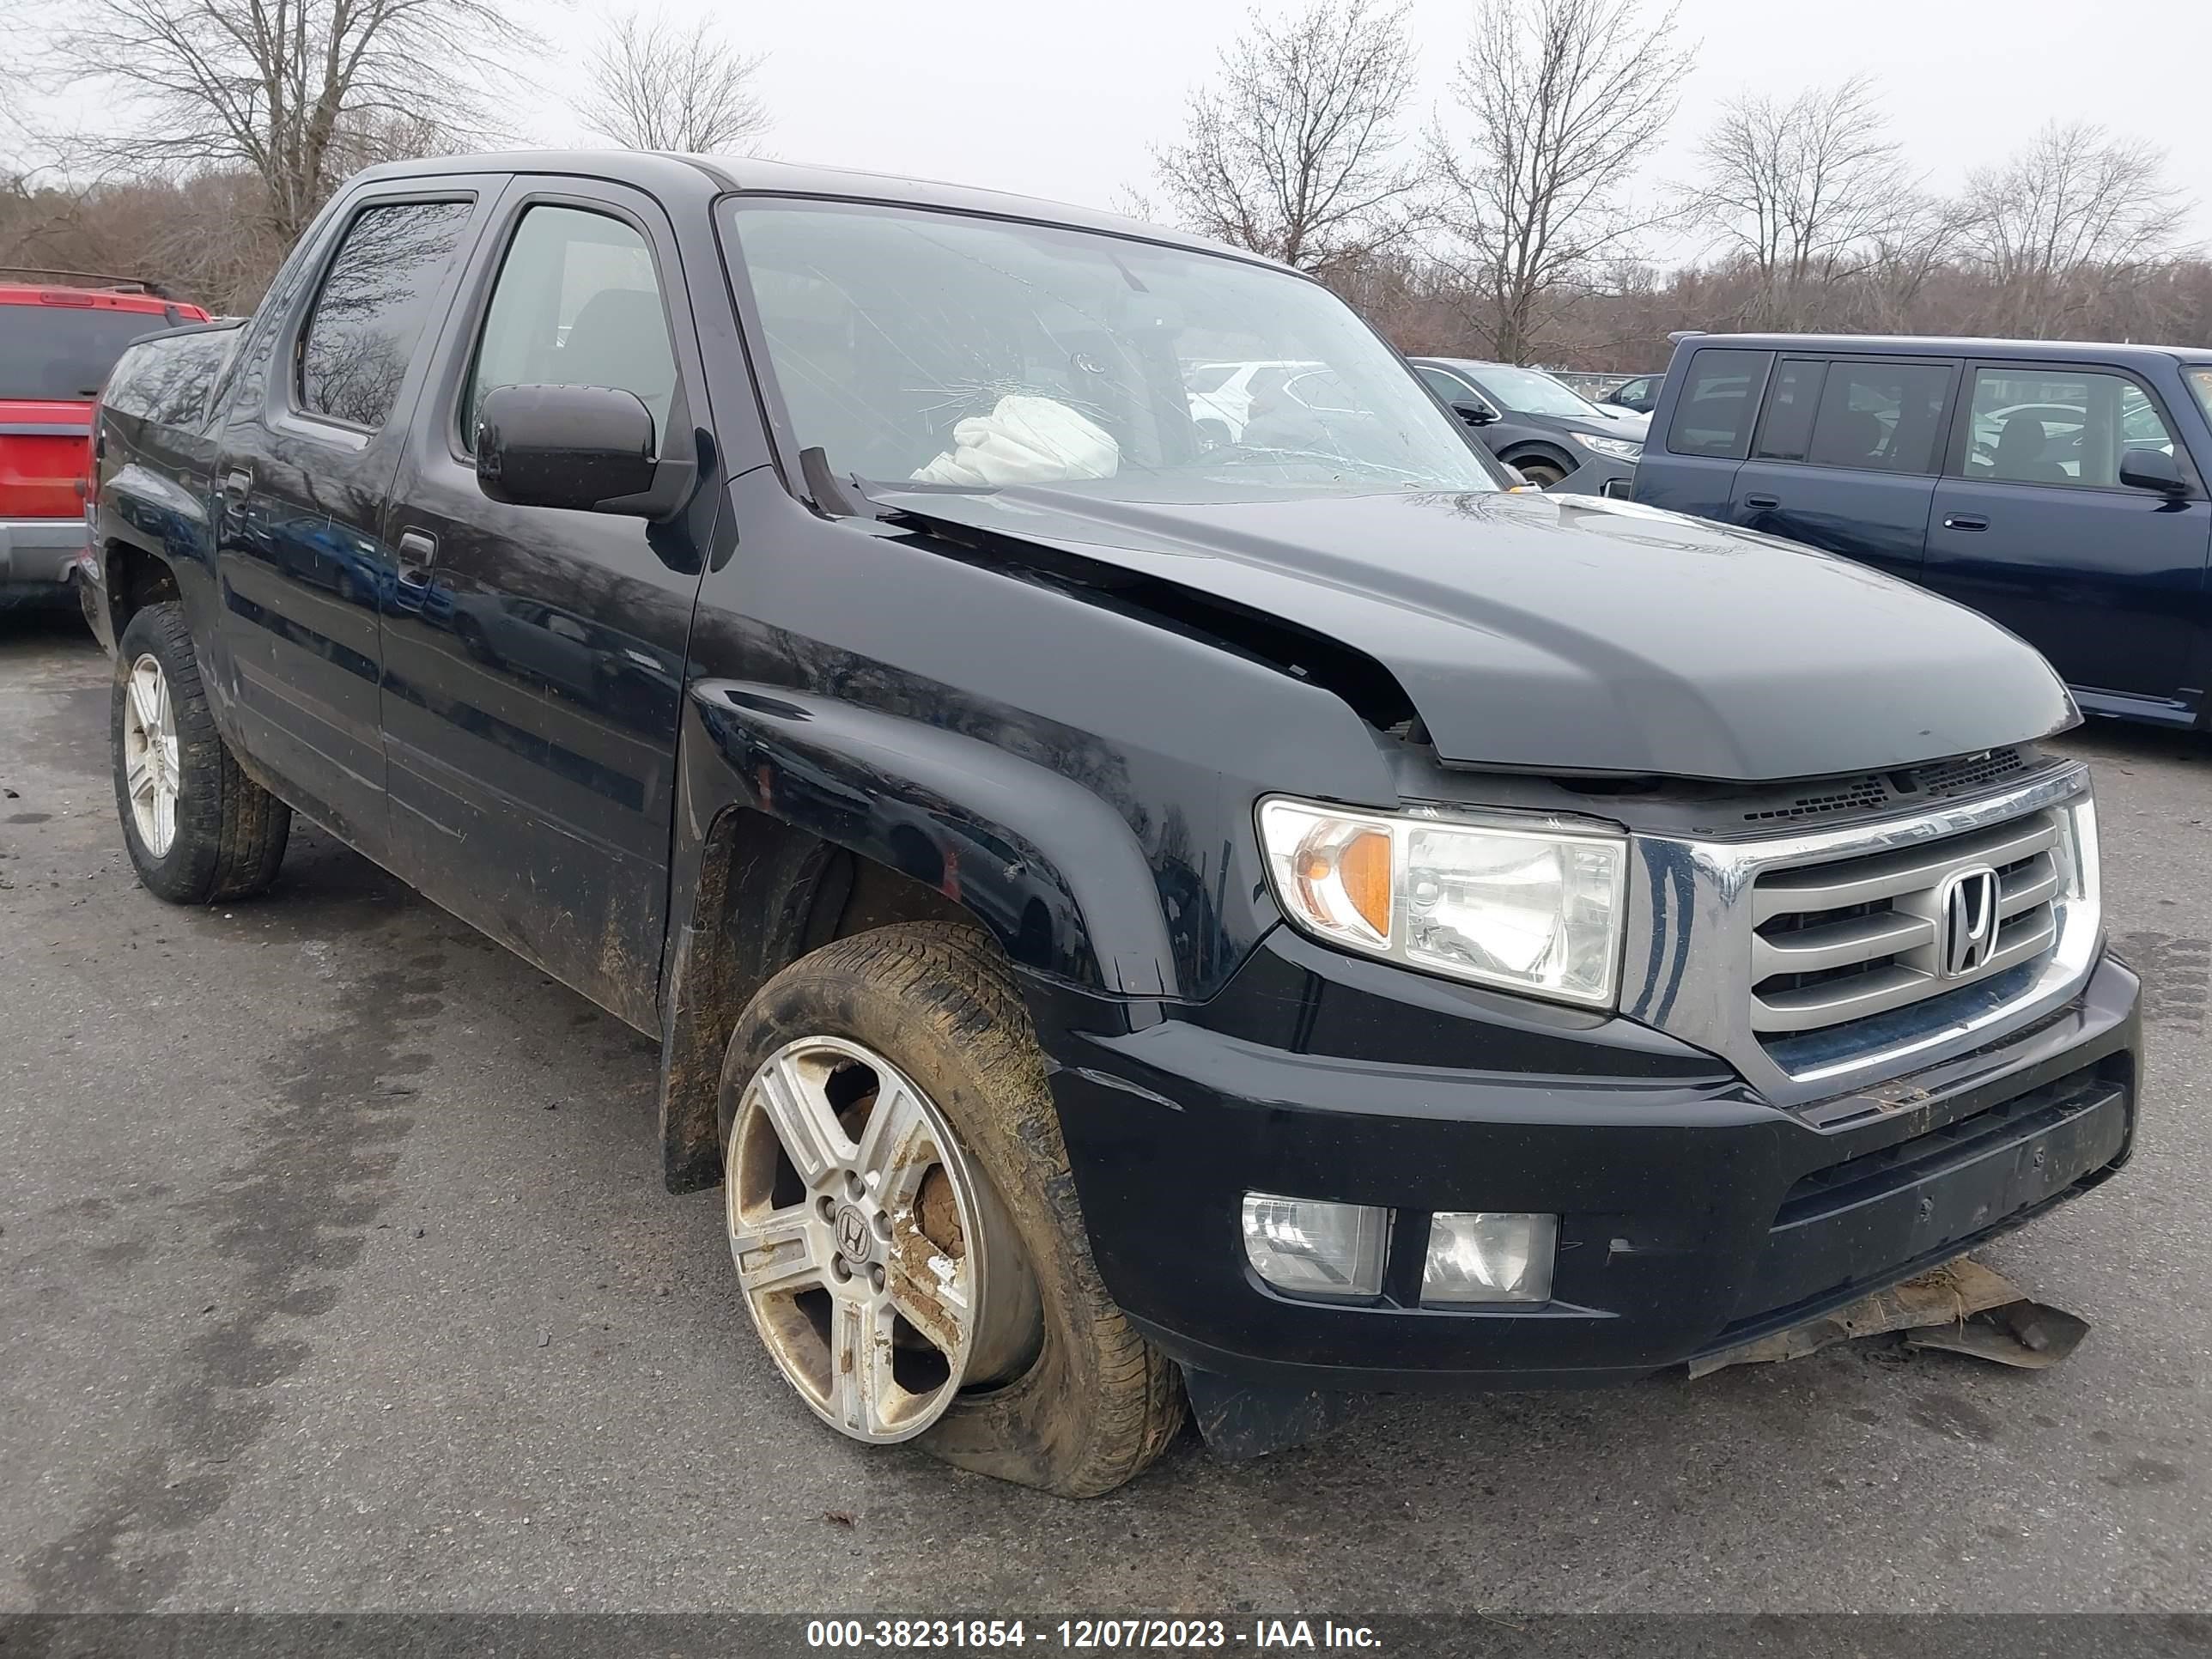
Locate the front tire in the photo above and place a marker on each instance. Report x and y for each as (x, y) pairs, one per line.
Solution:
(199, 829)
(1541, 472)
(905, 1226)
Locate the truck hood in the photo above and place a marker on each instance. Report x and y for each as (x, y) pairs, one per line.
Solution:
(1567, 634)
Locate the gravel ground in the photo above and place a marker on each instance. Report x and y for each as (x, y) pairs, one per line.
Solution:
(335, 1273)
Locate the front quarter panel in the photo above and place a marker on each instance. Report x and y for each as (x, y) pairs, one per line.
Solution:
(1079, 778)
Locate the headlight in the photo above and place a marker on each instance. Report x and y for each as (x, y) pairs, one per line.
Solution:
(1621, 449)
(1537, 910)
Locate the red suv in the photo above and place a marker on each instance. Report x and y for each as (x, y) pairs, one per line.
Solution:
(57, 341)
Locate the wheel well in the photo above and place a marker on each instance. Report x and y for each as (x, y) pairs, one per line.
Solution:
(135, 579)
(767, 895)
(1538, 452)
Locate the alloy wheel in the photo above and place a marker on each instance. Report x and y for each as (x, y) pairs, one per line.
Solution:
(152, 774)
(880, 1269)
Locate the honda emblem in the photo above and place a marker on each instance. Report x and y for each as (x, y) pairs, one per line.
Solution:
(1966, 916)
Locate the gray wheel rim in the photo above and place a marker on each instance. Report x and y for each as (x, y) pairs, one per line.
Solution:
(879, 1268)
(152, 777)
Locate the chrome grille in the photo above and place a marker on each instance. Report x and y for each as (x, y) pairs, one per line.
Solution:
(1808, 959)
(1833, 943)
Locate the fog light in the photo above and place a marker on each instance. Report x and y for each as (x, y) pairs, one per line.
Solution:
(1476, 1255)
(1311, 1247)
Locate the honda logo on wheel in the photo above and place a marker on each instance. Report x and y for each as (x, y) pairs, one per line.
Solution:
(1966, 913)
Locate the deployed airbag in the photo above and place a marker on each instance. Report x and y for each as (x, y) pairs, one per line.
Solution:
(1025, 439)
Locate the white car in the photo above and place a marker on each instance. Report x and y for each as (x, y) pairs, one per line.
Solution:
(1221, 394)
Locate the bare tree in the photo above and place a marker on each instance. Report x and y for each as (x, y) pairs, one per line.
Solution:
(1805, 189)
(2077, 211)
(1562, 100)
(273, 87)
(657, 87)
(1916, 246)
(1294, 151)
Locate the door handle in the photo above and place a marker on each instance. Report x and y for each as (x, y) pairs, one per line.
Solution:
(1965, 521)
(1762, 500)
(237, 483)
(418, 551)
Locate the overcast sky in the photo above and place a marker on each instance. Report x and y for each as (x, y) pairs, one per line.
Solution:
(1064, 101)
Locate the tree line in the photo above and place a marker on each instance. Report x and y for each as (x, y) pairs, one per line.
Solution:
(1521, 219)
(1520, 222)
(229, 123)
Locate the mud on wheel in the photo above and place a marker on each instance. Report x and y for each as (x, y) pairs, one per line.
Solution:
(903, 1224)
(198, 828)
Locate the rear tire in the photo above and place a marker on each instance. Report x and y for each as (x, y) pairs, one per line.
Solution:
(199, 829)
(1091, 1403)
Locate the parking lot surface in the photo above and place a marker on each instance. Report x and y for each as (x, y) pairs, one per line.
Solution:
(336, 1272)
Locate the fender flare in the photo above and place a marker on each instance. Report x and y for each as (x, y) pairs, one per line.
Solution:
(773, 781)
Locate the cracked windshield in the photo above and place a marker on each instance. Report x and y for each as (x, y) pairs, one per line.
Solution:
(938, 350)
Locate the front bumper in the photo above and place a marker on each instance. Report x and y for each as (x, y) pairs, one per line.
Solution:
(1596, 475)
(1694, 1216)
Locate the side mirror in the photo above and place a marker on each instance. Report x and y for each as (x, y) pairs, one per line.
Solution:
(2152, 469)
(588, 447)
(1475, 414)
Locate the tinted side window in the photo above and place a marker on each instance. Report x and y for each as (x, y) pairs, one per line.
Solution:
(2058, 426)
(1449, 387)
(1785, 430)
(1883, 415)
(577, 303)
(373, 307)
(1720, 392)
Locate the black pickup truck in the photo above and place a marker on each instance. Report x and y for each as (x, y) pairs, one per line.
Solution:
(1131, 916)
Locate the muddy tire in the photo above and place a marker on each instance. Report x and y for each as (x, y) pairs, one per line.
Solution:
(1090, 1403)
(199, 829)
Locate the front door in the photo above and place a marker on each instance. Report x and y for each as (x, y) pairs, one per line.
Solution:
(535, 657)
(2034, 528)
(302, 475)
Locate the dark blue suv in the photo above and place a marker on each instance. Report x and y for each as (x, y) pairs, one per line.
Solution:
(2056, 487)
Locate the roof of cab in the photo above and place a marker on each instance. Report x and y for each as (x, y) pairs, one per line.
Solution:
(1919, 345)
(656, 170)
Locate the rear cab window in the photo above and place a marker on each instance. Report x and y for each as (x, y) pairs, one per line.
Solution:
(1720, 394)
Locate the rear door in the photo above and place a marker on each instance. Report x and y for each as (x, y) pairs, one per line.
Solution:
(535, 657)
(2033, 526)
(305, 464)
(1701, 431)
(1845, 455)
